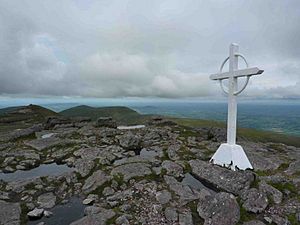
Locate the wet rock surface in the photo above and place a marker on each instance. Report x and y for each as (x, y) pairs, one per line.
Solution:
(157, 174)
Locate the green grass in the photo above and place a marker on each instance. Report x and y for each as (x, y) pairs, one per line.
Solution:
(286, 186)
(246, 133)
(244, 215)
(196, 218)
(292, 219)
(281, 168)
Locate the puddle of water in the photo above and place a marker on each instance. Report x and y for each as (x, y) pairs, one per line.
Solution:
(43, 170)
(130, 127)
(63, 214)
(194, 183)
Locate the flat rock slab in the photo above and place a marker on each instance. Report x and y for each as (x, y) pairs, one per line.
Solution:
(254, 222)
(129, 171)
(173, 169)
(130, 141)
(20, 133)
(220, 209)
(222, 178)
(84, 166)
(9, 213)
(185, 193)
(47, 200)
(96, 219)
(97, 179)
(44, 143)
(255, 201)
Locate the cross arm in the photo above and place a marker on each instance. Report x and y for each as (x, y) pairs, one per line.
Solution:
(237, 73)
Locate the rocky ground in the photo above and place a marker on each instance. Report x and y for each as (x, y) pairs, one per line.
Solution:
(140, 176)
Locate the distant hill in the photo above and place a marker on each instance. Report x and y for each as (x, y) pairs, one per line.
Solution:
(23, 116)
(123, 115)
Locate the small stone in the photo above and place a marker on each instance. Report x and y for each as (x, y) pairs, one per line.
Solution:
(36, 213)
(20, 167)
(30, 206)
(173, 169)
(157, 208)
(113, 203)
(8, 169)
(186, 218)
(114, 184)
(157, 170)
(163, 197)
(268, 219)
(47, 200)
(108, 191)
(87, 201)
(41, 223)
(293, 168)
(130, 141)
(90, 210)
(122, 220)
(171, 214)
(38, 187)
(47, 213)
(275, 194)
(278, 220)
(8, 160)
(254, 222)
(255, 201)
(84, 166)
(125, 207)
(4, 195)
(123, 187)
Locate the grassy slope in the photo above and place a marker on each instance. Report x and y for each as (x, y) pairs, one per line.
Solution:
(122, 115)
(125, 115)
(248, 133)
(12, 118)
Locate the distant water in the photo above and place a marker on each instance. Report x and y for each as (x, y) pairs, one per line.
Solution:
(282, 116)
(278, 116)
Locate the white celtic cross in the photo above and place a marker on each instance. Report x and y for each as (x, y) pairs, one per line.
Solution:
(230, 154)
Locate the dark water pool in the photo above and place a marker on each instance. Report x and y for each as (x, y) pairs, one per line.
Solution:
(63, 214)
(43, 170)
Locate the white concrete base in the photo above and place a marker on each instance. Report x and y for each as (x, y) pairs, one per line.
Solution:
(231, 156)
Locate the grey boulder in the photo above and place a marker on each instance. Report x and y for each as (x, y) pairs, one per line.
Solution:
(221, 209)
(234, 182)
(9, 213)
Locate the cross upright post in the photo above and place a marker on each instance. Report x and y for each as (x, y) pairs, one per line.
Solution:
(230, 154)
(232, 102)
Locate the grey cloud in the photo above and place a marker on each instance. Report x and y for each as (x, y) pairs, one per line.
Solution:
(145, 48)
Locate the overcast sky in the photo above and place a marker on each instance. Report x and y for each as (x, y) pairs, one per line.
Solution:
(160, 48)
